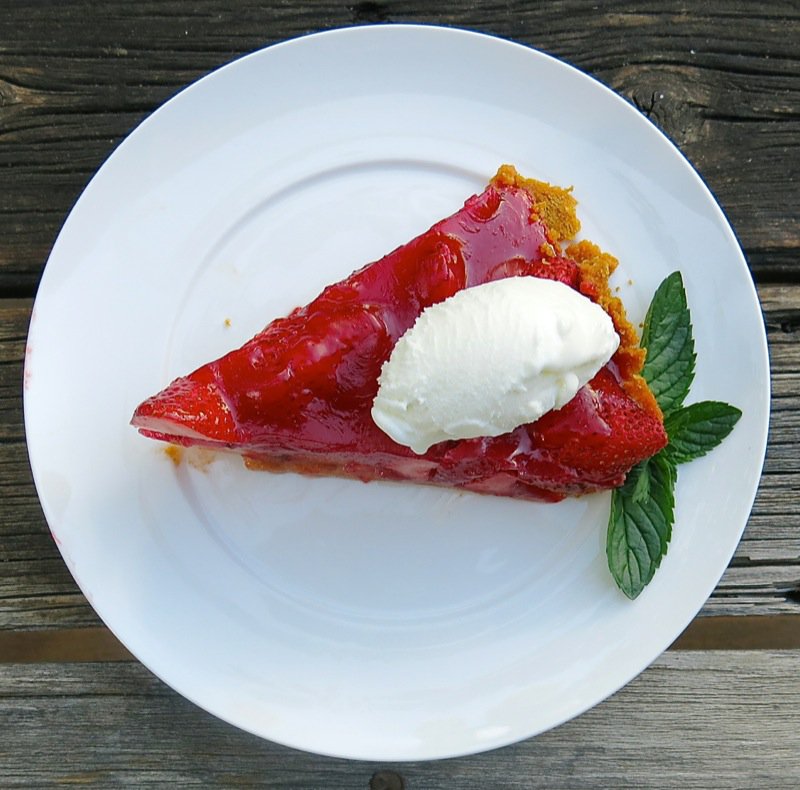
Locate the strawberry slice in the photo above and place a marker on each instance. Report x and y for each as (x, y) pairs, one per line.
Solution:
(297, 397)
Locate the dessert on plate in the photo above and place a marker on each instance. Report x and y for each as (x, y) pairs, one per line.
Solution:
(341, 386)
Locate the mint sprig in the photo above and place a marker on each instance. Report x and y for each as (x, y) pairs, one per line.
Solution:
(643, 508)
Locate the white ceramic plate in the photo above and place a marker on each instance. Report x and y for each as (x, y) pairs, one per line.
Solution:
(376, 621)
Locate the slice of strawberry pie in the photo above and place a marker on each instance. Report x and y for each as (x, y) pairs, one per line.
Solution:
(299, 396)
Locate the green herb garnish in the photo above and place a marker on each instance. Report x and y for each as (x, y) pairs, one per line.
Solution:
(642, 510)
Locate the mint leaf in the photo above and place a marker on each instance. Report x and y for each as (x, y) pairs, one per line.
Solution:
(697, 429)
(667, 337)
(663, 476)
(639, 530)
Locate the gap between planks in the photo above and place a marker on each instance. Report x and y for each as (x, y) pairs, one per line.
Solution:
(749, 632)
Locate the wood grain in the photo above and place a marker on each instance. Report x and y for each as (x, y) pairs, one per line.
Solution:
(692, 720)
(721, 81)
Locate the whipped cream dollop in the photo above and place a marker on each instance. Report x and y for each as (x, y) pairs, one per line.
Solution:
(491, 358)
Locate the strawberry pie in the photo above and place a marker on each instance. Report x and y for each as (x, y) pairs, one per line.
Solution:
(298, 397)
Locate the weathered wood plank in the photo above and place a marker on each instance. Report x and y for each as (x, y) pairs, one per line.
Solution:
(36, 590)
(76, 77)
(692, 720)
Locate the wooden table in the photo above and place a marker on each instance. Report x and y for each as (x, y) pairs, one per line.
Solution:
(719, 709)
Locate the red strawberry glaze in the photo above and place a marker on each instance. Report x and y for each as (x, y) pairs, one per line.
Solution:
(297, 397)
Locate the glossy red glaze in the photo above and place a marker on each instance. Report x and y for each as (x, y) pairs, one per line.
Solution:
(298, 395)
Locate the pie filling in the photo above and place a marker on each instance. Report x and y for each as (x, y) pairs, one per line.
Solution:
(298, 396)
